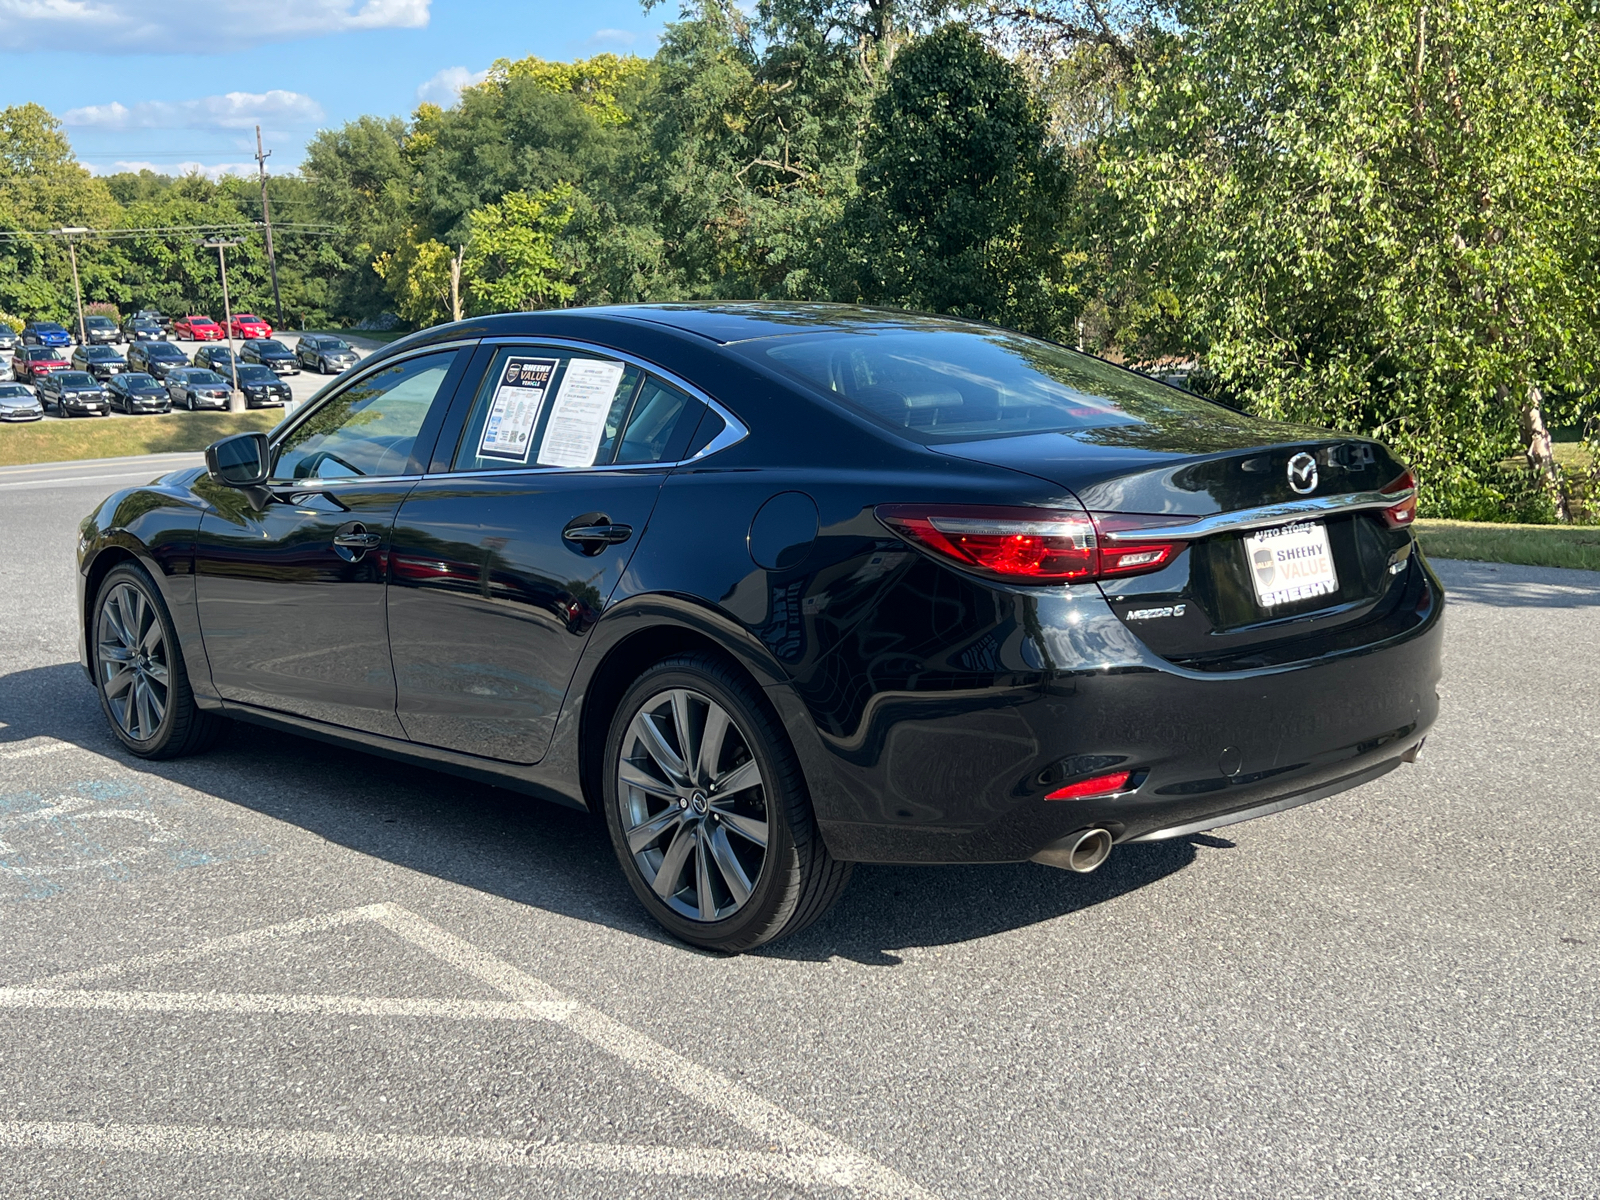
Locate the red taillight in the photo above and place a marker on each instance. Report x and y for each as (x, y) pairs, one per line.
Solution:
(1033, 544)
(1100, 785)
(1010, 543)
(1405, 512)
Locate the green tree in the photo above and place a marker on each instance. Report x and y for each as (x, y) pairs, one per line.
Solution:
(1380, 216)
(962, 197)
(510, 263)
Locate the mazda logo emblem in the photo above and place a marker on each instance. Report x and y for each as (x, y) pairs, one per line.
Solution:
(1302, 474)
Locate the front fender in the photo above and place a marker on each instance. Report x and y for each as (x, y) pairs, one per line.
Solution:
(154, 525)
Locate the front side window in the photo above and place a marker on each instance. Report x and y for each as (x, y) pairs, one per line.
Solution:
(369, 428)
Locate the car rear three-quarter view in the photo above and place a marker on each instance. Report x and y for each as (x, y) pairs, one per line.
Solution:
(775, 590)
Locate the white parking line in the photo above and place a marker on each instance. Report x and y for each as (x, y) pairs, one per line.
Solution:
(301, 1144)
(806, 1154)
(35, 751)
(272, 1002)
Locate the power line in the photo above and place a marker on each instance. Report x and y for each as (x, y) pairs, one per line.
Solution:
(220, 227)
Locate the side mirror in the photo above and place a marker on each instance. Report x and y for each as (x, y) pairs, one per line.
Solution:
(243, 460)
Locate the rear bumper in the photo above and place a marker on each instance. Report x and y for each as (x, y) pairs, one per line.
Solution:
(968, 783)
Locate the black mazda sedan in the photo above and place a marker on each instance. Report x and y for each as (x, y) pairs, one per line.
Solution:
(777, 589)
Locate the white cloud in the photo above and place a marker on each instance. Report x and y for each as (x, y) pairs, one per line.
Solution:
(236, 110)
(142, 27)
(213, 172)
(613, 37)
(444, 88)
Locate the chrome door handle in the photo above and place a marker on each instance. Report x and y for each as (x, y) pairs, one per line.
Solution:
(609, 534)
(358, 541)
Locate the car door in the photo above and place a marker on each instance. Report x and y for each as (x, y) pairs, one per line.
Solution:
(506, 554)
(290, 577)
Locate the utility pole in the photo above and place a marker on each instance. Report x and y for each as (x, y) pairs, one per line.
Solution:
(67, 235)
(266, 221)
(221, 247)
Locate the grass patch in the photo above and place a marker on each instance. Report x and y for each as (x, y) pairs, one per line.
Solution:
(1530, 545)
(62, 440)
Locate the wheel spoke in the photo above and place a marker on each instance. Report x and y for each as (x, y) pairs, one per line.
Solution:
(118, 683)
(711, 739)
(728, 866)
(649, 831)
(737, 780)
(152, 636)
(632, 774)
(112, 613)
(114, 652)
(683, 719)
(649, 735)
(156, 672)
(751, 829)
(665, 884)
(144, 705)
(702, 879)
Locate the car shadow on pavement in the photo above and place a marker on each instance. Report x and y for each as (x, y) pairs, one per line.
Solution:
(550, 857)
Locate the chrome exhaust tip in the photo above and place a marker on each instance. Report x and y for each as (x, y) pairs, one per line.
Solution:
(1081, 852)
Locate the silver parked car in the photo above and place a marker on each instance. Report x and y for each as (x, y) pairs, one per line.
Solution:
(18, 403)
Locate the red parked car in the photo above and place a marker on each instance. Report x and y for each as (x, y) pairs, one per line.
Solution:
(32, 363)
(248, 325)
(197, 329)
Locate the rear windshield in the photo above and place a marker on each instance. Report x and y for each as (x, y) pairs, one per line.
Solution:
(949, 385)
(100, 354)
(41, 354)
(165, 350)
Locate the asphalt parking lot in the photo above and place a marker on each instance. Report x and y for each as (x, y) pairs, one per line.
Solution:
(303, 386)
(287, 969)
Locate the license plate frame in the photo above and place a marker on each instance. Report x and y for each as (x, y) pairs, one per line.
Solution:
(1289, 564)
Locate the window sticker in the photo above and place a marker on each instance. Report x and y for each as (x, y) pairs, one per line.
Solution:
(508, 433)
(578, 418)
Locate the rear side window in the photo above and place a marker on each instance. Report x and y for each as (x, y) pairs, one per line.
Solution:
(950, 384)
(559, 408)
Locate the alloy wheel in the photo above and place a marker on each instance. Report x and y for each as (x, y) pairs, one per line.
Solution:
(693, 805)
(133, 663)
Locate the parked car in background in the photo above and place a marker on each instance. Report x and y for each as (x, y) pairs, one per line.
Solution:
(74, 393)
(261, 387)
(248, 325)
(136, 392)
(18, 403)
(196, 388)
(45, 333)
(9, 337)
(325, 353)
(197, 328)
(215, 358)
(102, 362)
(143, 328)
(156, 315)
(270, 354)
(156, 358)
(101, 331)
(32, 363)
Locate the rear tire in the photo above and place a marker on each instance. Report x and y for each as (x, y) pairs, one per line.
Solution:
(139, 671)
(715, 834)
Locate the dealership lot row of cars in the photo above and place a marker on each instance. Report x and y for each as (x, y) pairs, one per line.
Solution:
(155, 375)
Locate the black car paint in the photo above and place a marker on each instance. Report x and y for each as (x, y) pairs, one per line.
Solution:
(931, 710)
(159, 359)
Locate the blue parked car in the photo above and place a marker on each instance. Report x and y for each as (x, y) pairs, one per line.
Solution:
(45, 333)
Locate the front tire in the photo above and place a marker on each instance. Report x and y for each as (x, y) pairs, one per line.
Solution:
(139, 671)
(709, 812)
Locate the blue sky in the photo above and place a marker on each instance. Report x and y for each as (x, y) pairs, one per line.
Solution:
(169, 84)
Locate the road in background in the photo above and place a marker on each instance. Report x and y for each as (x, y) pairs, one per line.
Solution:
(291, 969)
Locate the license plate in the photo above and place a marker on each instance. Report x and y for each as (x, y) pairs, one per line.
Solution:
(1291, 563)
